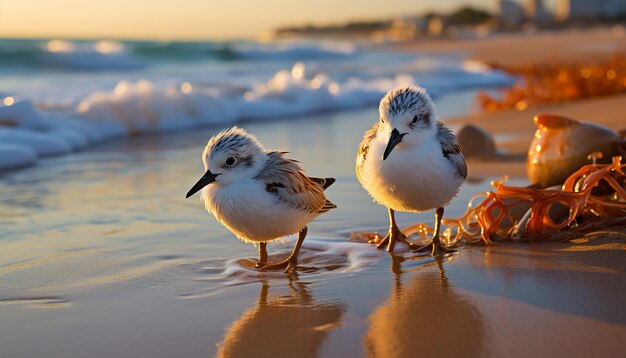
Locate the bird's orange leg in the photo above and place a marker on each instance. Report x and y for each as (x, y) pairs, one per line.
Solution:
(262, 255)
(394, 234)
(291, 262)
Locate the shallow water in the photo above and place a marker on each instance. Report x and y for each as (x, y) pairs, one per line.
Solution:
(101, 255)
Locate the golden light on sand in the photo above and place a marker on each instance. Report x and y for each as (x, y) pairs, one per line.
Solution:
(8, 101)
(58, 46)
(186, 87)
(313, 320)
(521, 105)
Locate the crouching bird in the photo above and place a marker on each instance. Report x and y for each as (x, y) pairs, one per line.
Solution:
(259, 195)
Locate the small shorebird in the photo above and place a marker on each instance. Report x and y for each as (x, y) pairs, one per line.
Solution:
(425, 170)
(259, 195)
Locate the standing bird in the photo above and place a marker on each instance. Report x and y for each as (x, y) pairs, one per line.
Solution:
(425, 170)
(259, 195)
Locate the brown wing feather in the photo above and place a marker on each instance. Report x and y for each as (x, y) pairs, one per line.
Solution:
(285, 178)
(451, 149)
(368, 136)
(324, 182)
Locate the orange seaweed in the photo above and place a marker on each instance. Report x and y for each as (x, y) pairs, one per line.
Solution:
(589, 208)
(558, 82)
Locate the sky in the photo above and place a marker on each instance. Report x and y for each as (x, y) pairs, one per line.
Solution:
(194, 19)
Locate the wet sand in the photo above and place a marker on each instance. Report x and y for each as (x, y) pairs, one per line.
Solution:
(511, 300)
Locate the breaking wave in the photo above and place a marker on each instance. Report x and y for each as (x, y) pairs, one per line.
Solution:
(129, 55)
(30, 130)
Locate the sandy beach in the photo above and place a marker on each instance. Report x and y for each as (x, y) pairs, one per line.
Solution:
(515, 49)
(101, 255)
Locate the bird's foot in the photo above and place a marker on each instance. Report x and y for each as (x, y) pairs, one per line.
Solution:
(289, 264)
(260, 264)
(383, 242)
(435, 248)
(395, 235)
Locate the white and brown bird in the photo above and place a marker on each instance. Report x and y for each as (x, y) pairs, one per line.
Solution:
(409, 161)
(259, 195)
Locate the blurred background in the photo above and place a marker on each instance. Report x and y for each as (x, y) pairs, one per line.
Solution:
(109, 68)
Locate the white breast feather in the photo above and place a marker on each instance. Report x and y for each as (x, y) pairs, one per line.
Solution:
(411, 179)
(252, 213)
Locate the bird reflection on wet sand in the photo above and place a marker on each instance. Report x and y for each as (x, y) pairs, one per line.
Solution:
(424, 316)
(289, 325)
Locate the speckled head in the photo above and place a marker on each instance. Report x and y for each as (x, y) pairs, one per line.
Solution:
(234, 141)
(407, 116)
(230, 155)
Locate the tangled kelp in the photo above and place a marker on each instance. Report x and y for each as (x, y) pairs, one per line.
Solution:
(592, 198)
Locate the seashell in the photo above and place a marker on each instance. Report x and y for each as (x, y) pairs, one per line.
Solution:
(562, 145)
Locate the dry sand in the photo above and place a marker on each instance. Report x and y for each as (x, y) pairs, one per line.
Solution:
(523, 49)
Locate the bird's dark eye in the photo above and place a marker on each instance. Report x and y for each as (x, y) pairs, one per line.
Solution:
(416, 118)
(382, 120)
(231, 161)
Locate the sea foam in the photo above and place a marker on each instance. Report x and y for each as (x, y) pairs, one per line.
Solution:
(144, 107)
(316, 255)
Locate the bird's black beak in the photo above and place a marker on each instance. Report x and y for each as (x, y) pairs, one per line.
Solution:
(206, 179)
(394, 139)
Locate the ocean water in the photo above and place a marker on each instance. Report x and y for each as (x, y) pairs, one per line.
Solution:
(59, 96)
